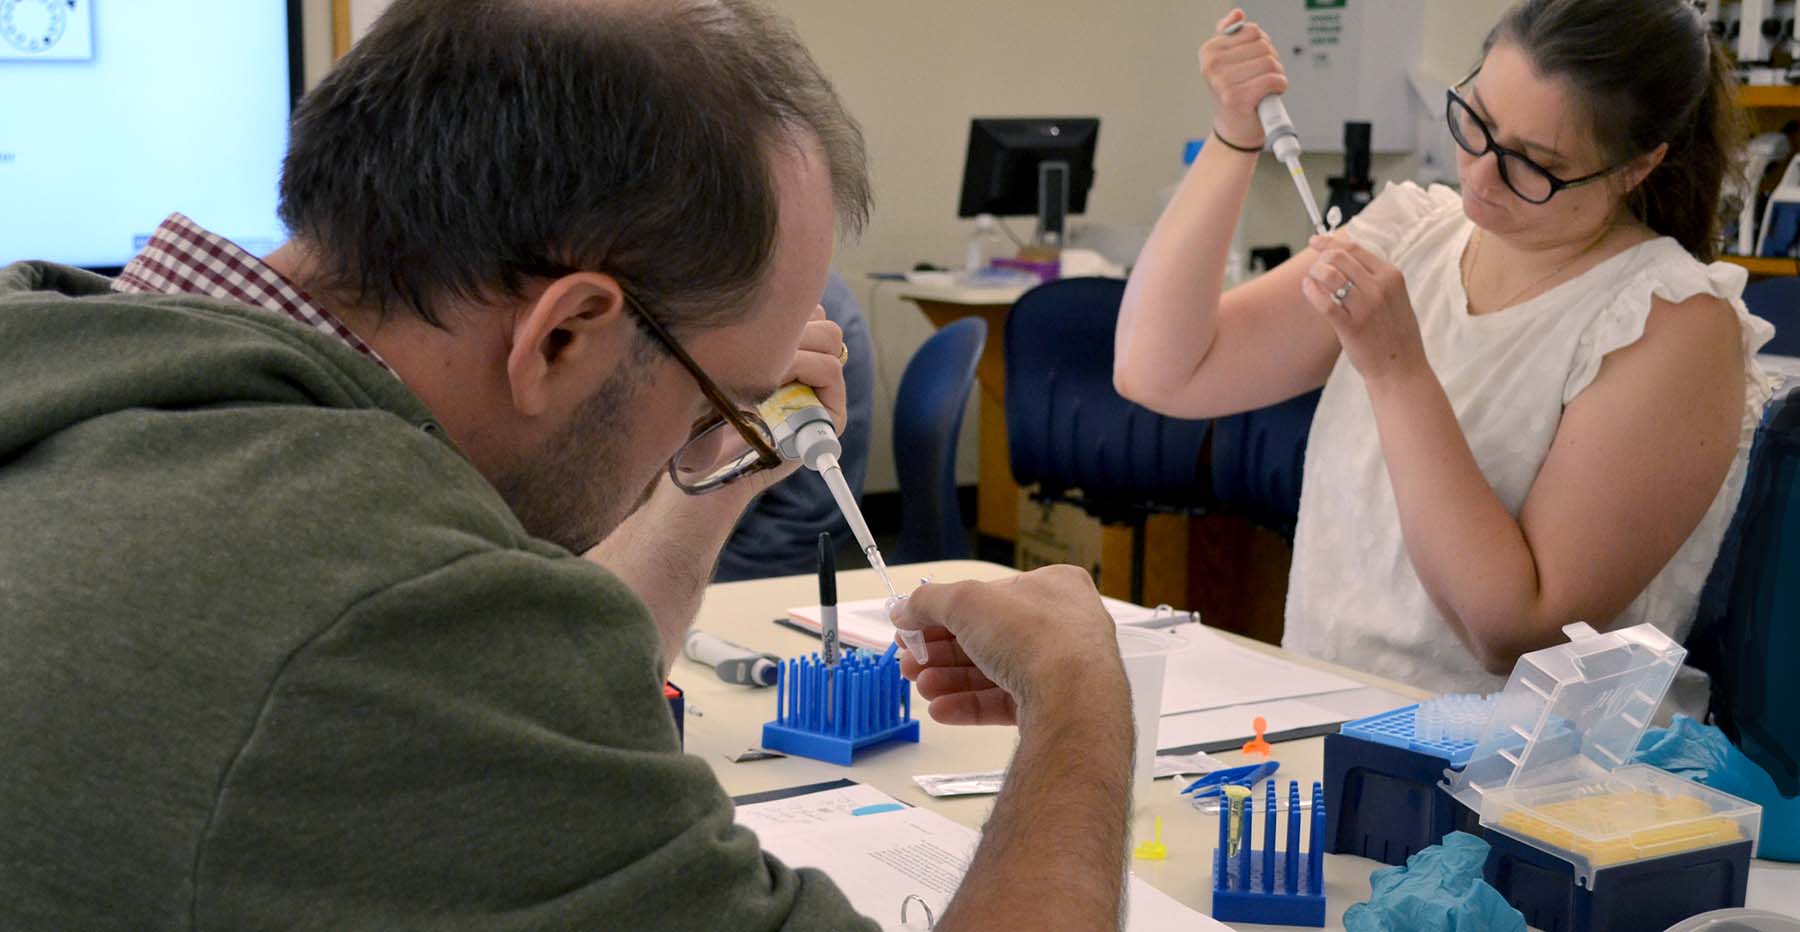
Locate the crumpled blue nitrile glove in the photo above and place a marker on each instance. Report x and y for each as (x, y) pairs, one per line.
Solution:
(1686, 748)
(1439, 890)
(1703, 754)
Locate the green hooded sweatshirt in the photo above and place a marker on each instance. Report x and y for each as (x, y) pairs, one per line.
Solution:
(273, 655)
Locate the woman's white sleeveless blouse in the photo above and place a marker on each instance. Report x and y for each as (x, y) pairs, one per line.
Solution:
(1353, 596)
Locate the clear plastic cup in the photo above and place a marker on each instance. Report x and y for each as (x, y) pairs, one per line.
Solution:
(1146, 655)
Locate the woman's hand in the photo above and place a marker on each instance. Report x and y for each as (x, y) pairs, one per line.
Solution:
(1240, 70)
(1364, 298)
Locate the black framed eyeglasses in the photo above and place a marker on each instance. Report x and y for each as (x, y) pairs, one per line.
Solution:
(1533, 183)
(728, 445)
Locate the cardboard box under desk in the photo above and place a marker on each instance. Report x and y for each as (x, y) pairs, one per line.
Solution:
(1056, 532)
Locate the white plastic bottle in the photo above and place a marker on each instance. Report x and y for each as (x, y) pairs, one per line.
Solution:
(983, 245)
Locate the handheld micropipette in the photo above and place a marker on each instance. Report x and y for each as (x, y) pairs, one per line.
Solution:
(1284, 141)
(803, 430)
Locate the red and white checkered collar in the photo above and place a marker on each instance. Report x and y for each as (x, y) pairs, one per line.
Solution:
(183, 257)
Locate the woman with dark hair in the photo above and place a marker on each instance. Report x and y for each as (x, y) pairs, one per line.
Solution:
(1539, 395)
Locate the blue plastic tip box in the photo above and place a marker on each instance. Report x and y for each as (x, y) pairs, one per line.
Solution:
(1382, 798)
(1652, 894)
(1583, 840)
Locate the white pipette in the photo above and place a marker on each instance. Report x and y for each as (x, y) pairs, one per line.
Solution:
(803, 431)
(1284, 142)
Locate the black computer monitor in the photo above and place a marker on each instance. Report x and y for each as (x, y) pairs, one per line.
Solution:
(114, 114)
(1024, 166)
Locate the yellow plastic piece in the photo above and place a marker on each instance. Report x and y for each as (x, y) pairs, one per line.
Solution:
(788, 399)
(1257, 745)
(1612, 828)
(1234, 802)
(1152, 850)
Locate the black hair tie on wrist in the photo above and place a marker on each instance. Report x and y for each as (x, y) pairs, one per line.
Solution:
(1234, 146)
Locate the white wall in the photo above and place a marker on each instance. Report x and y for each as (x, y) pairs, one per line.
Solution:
(315, 18)
(914, 73)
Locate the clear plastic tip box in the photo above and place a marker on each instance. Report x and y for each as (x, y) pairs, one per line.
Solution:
(1552, 772)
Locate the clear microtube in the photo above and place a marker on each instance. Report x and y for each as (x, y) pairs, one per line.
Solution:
(1452, 718)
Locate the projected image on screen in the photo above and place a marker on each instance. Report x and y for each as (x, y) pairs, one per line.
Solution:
(115, 113)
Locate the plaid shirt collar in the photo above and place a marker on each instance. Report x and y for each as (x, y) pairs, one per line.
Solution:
(183, 257)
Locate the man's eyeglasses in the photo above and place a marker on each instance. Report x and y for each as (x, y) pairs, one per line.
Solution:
(730, 444)
(1532, 182)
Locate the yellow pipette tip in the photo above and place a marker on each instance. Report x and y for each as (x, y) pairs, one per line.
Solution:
(1234, 797)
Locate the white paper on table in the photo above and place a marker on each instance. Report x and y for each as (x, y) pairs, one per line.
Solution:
(1232, 723)
(1212, 673)
(989, 782)
(1208, 673)
(811, 808)
(864, 622)
(879, 858)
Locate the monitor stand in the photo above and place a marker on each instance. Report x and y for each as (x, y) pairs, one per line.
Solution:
(1053, 202)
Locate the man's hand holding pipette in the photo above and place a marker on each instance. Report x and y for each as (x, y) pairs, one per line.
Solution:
(997, 647)
(1039, 651)
(666, 549)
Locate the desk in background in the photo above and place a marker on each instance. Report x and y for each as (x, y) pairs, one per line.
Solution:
(996, 495)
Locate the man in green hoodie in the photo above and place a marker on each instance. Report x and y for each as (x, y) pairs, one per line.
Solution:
(298, 629)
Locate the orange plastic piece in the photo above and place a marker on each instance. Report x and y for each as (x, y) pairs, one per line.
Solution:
(1257, 745)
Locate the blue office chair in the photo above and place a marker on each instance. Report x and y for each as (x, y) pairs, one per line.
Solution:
(1256, 461)
(1074, 437)
(1747, 630)
(1777, 300)
(928, 415)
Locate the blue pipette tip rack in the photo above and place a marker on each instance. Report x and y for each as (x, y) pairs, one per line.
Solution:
(829, 714)
(1250, 887)
(1397, 729)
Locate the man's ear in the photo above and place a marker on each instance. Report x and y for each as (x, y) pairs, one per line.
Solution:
(566, 344)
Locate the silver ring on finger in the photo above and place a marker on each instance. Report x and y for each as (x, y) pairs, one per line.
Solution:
(1342, 292)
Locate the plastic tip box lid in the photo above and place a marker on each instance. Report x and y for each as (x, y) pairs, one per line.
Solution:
(1572, 711)
(1551, 768)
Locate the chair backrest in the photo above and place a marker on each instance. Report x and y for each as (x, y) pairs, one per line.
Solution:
(1257, 459)
(1747, 631)
(1068, 429)
(1777, 300)
(928, 414)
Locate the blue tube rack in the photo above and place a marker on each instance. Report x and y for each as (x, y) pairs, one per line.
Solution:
(1395, 729)
(829, 713)
(1249, 888)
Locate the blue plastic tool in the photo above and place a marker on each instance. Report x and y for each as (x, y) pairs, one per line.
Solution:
(863, 702)
(1247, 888)
(1246, 775)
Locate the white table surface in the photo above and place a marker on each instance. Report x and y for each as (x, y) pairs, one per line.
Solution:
(727, 719)
(963, 294)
